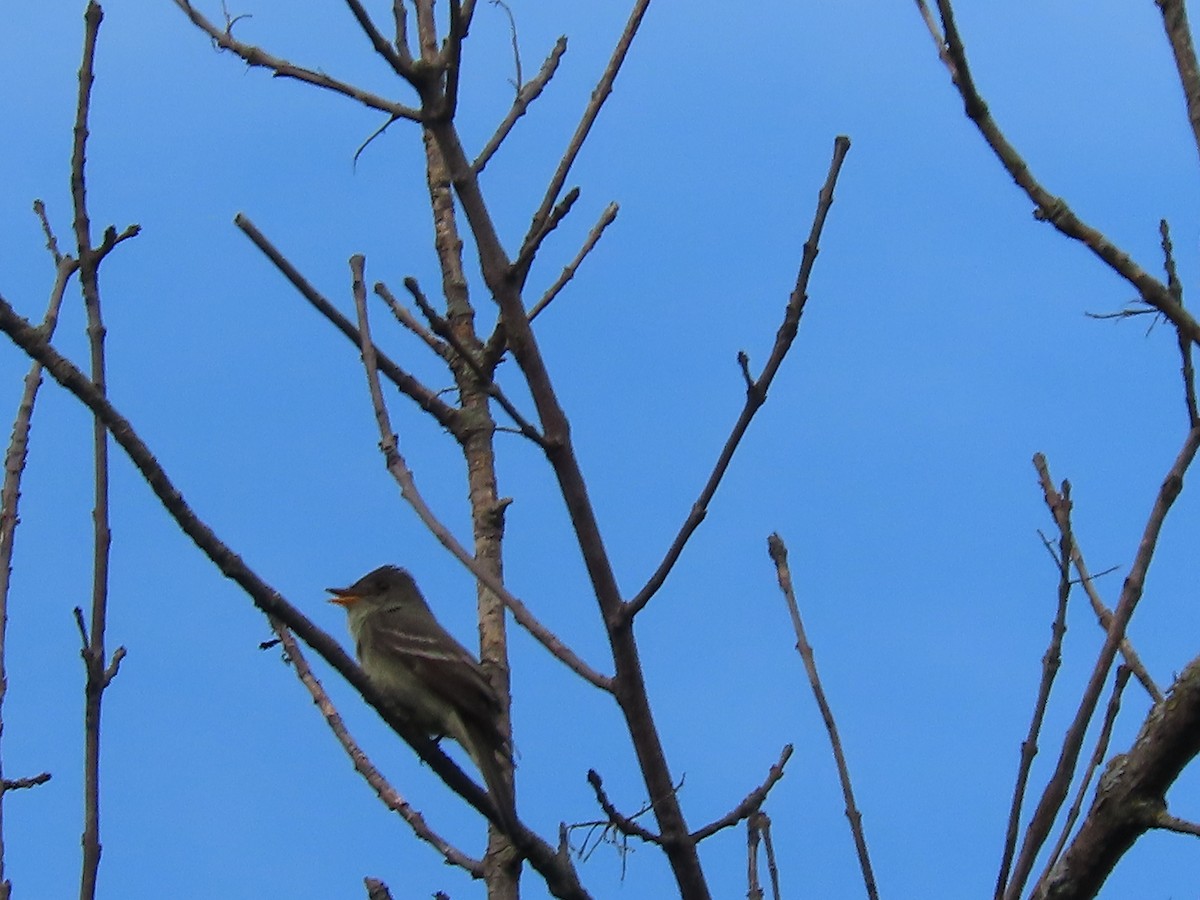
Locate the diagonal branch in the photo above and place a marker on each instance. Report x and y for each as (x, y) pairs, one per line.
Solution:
(756, 392)
(751, 803)
(281, 68)
(1179, 34)
(362, 764)
(378, 41)
(445, 415)
(408, 489)
(1130, 797)
(1050, 208)
(560, 877)
(526, 94)
(537, 228)
(1060, 509)
(606, 218)
(1098, 753)
(1056, 790)
(778, 553)
(443, 330)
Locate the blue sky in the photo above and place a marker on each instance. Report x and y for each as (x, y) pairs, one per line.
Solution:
(944, 343)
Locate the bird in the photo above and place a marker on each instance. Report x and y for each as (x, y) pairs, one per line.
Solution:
(435, 682)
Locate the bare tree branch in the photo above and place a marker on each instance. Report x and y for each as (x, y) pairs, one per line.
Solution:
(408, 489)
(1179, 34)
(362, 764)
(1050, 208)
(98, 675)
(1101, 751)
(19, 784)
(756, 393)
(1060, 508)
(624, 824)
(1056, 790)
(14, 468)
(606, 218)
(751, 804)
(444, 414)
(560, 877)
(378, 41)
(538, 227)
(1175, 286)
(281, 68)
(471, 359)
(526, 94)
(778, 553)
(1131, 795)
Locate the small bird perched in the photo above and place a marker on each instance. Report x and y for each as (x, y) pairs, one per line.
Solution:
(434, 681)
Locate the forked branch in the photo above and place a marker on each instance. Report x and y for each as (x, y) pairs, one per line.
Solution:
(756, 391)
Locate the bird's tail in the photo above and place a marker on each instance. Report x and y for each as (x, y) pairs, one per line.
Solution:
(492, 754)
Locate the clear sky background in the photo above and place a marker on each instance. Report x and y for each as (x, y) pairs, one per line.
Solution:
(945, 342)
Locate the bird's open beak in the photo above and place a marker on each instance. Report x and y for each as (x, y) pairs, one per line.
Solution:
(343, 597)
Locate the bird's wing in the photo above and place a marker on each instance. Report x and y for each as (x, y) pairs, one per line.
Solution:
(440, 662)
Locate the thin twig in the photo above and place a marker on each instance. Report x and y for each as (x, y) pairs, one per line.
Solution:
(778, 553)
(1060, 509)
(938, 40)
(606, 218)
(1175, 286)
(14, 468)
(1050, 208)
(1061, 514)
(519, 82)
(520, 266)
(362, 764)
(256, 57)
(408, 489)
(1168, 822)
(409, 321)
(623, 824)
(758, 828)
(1056, 790)
(97, 675)
(400, 19)
(525, 96)
(428, 400)
(19, 784)
(1098, 754)
(772, 866)
(537, 228)
(756, 394)
(560, 877)
(754, 889)
(484, 377)
(751, 803)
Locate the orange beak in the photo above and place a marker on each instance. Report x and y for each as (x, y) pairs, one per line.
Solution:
(343, 597)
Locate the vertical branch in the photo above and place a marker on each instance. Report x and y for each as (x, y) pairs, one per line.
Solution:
(1175, 286)
(10, 492)
(1055, 791)
(1101, 750)
(1060, 509)
(778, 553)
(600, 93)
(476, 438)
(98, 676)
